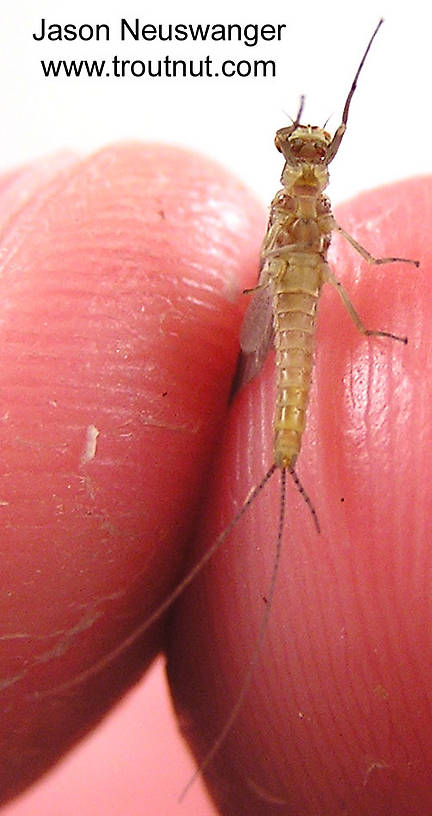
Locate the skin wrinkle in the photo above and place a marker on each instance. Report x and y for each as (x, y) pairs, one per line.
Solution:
(66, 638)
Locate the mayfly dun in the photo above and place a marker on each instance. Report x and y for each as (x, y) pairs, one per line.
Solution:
(283, 311)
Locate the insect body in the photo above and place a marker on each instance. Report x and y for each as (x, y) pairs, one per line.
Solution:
(294, 269)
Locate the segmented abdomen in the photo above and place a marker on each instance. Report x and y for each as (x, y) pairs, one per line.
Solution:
(297, 284)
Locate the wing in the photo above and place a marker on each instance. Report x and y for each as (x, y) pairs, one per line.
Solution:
(257, 326)
(256, 337)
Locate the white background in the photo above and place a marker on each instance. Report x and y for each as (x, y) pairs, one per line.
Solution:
(232, 120)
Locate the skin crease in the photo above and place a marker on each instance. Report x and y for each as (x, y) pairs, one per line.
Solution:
(338, 718)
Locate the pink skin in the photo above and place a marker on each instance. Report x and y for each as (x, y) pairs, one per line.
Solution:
(120, 313)
(338, 718)
(119, 284)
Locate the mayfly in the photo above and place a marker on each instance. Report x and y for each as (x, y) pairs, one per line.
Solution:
(283, 310)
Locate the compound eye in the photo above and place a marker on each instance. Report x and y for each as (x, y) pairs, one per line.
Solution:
(281, 139)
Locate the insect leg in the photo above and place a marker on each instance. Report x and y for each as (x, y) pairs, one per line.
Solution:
(354, 315)
(286, 252)
(255, 288)
(367, 255)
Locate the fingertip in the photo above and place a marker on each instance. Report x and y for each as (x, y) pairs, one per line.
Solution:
(119, 333)
(338, 711)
